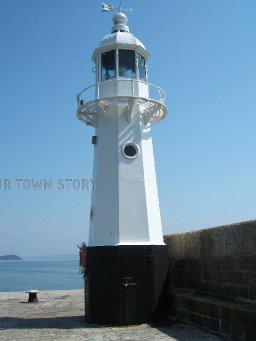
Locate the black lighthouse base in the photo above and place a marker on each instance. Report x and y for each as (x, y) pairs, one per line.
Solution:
(126, 284)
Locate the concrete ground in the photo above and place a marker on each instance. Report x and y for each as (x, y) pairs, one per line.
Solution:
(59, 315)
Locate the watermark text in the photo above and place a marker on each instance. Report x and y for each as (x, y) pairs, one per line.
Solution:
(21, 184)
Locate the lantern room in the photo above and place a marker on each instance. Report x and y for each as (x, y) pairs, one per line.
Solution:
(121, 75)
(121, 57)
(122, 63)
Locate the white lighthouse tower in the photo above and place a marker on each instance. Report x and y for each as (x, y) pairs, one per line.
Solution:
(127, 258)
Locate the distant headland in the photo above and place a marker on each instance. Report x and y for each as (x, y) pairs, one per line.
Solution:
(10, 257)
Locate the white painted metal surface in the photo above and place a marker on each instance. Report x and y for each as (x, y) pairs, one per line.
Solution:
(125, 206)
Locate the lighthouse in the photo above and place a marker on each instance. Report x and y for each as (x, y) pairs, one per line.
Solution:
(126, 280)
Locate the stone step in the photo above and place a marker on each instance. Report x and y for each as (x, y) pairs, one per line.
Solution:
(231, 318)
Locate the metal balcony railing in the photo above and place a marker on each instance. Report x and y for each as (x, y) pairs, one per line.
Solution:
(93, 91)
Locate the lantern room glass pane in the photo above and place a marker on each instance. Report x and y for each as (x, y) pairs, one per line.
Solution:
(108, 65)
(127, 64)
(142, 67)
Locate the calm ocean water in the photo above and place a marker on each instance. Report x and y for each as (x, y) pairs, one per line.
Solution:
(41, 275)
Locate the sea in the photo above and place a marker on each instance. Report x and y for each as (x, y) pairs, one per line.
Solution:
(23, 275)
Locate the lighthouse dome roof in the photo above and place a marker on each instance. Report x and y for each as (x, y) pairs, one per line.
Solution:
(120, 38)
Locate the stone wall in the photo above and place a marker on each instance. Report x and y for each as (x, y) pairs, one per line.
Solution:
(213, 279)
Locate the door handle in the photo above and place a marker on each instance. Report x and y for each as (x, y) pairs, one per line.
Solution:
(129, 284)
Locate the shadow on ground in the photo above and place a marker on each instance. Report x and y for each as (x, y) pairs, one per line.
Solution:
(178, 332)
(63, 322)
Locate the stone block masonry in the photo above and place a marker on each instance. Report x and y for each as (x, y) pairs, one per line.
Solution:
(213, 279)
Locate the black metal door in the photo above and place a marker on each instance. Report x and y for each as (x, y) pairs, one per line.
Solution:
(129, 300)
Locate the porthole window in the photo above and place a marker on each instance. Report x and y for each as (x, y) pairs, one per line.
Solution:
(131, 150)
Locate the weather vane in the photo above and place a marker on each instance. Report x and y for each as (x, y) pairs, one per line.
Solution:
(110, 8)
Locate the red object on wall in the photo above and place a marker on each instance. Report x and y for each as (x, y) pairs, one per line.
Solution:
(83, 256)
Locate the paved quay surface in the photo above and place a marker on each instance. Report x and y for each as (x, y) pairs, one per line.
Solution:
(59, 315)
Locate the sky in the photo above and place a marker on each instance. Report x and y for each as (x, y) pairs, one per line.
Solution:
(203, 55)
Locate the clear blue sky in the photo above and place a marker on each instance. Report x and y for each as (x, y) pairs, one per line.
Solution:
(203, 54)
